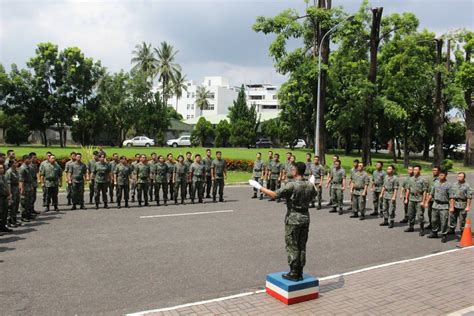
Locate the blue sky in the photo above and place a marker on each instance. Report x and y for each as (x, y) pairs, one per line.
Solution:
(214, 37)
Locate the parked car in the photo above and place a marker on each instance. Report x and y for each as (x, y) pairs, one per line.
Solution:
(179, 142)
(263, 143)
(139, 141)
(298, 143)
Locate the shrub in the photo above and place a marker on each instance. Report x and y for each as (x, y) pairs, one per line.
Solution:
(447, 164)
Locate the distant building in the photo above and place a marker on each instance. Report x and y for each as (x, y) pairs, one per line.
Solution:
(222, 97)
(263, 96)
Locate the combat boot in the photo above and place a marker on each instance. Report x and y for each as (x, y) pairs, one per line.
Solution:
(106, 205)
(391, 224)
(118, 205)
(362, 217)
(410, 229)
(221, 199)
(56, 209)
(404, 220)
(291, 276)
(444, 239)
(355, 215)
(192, 201)
(73, 208)
(385, 222)
(96, 206)
(422, 230)
(139, 203)
(146, 203)
(165, 203)
(312, 205)
(333, 210)
(126, 204)
(374, 213)
(182, 201)
(254, 196)
(200, 200)
(176, 201)
(215, 201)
(340, 211)
(68, 202)
(83, 207)
(433, 235)
(319, 206)
(47, 209)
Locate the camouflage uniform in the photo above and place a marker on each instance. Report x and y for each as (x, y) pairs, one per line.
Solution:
(377, 179)
(307, 170)
(180, 174)
(337, 176)
(69, 185)
(219, 168)
(299, 195)
(317, 170)
(113, 164)
(460, 192)
(34, 174)
(417, 186)
(123, 173)
(258, 168)
(170, 166)
(189, 181)
(268, 171)
(133, 165)
(198, 172)
(52, 174)
(360, 180)
(24, 176)
(275, 170)
(289, 167)
(42, 186)
(207, 161)
(405, 186)
(101, 172)
(353, 171)
(12, 179)
(440, 211)
(4, 193)
(152, 164)
(142, 173)
(160, 175)
(430, 203)
(390, 184)
(77, 171)
(90, 167)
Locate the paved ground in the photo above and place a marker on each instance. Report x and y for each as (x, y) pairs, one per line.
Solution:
(410, 288)
(112, 261)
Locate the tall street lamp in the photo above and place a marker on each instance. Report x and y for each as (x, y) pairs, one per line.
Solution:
(318, 107)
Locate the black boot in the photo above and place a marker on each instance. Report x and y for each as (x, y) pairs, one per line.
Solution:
(385, 222)
(118, 205)
(362, 217)
(404, 221)
(291, 276)
(333, 210)
(96, 206)
(182, 201)
(391, 224)
(261, 197)
(165, 203)
(433, 235)
(106, 205)
(56, 209)
(254, 196)
(444, 239)
(139, 203)
(422, 230)
(83, 207)
(319, 206)
(46, 209)
(374, 213)
(410, 229)
(355, 215)
(175, 201)
(340, 211)
(146, 203)
(73, 207)
(192, 201)
(126, 204)
(68, 202)
(214, 199)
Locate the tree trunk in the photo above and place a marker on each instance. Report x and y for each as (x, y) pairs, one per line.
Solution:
(394, 151)
(426, 148)
(60, 131)
(176, 104)
(372, 77)
(438, 120)
(348, 144)
(406, 153)
(399, 148)
(45, 138)
(469, 116)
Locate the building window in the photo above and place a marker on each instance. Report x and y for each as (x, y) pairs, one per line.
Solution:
(188, 107)
(193, 94)
(256, 97)
(188, 117)
(188, 95)
(269, 107)
(274, 97)
(210, 107)
(192, 116)
(192, 106)
(212, 95)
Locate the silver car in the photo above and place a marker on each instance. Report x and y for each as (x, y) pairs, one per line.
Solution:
(139, 141)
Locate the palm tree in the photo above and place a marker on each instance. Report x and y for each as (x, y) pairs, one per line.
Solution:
(201, 98)
(166, 67)
(144, 59)
(179, 85)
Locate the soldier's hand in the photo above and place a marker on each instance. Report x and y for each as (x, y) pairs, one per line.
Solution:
(451, 209)
(394, 199)
(406, 201)
(466, 209)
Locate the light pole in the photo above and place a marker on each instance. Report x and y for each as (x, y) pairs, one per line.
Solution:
(318, 106)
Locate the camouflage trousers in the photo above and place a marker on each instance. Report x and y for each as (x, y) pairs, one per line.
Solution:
(122, 190)
(77, 193)
(171, 189)
(358, 203)
(15, 204)
(91, 190)
(259, 180)
(218, 186)
(52, 196)
(151, 188)
(25, 203)
(415, 210)
(453, 219)
(111, 191)
(100, 189)
(336, 197)
(180, 185)
(142, 192)
(430, 211)
(188, 189)
(319, 194)
(3, 211)
(440, 221)
(296, 237)
(69, 192)
(161, 186)
(377, 199)
(405, 208)
(198, 186)
(208, 185)
(388, 209)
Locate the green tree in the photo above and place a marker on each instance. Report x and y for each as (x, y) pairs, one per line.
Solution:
(454, 135)
(202, 98)
(166, 68)
(144, 60)
(173, 114)
(179, 85)
(201, 132)
(244, 121)
(223, 132)
(16, 131)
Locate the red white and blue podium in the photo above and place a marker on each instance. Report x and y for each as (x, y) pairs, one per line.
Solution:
(290, 292)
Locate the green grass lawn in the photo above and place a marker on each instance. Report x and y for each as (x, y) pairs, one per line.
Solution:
(227, 153)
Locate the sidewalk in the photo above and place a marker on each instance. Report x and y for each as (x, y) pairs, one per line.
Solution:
(437, 285)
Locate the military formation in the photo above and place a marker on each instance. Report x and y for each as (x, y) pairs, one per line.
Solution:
(445, 204)
(113, 180)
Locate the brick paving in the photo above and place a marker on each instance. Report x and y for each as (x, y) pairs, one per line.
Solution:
(437, 285)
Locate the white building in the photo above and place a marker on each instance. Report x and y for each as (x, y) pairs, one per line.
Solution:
(222, 97)
(263, 96)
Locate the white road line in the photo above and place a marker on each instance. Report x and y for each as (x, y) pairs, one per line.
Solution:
(186, 214)
(465, 311)
(320, 279)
